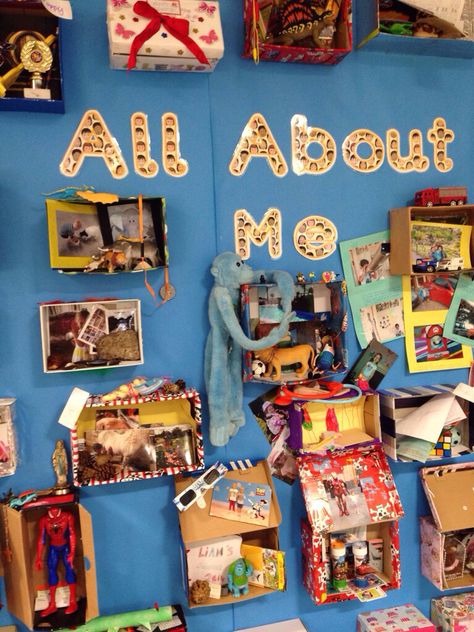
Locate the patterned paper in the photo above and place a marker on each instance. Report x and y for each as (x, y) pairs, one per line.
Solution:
(163, 51)
(397, 619)
(453, 614)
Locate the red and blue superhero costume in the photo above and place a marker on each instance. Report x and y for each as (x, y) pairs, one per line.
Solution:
(59, 527)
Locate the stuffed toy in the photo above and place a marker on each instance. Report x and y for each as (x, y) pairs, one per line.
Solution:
(223, 358)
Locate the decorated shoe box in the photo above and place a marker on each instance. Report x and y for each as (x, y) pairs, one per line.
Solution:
(407, 221)
(401, 412)
(203, 535)
(91, 334)
(37, 570)
(447, 537)
(396, 619)
(454, 613)
(315, 344)
(30, 68)
(136, 437)
(296, 34)
(174, 35)
(346, 490)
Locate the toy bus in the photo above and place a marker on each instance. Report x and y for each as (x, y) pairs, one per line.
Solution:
(443, 196)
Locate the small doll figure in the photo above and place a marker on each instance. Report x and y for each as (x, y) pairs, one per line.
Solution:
(59, 527)
(59, 461)
(325, 360)
(237, 577)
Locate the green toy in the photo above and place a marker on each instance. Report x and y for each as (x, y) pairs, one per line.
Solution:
(237, 577)
(126, 620)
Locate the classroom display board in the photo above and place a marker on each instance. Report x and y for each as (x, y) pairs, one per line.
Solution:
(331, 169)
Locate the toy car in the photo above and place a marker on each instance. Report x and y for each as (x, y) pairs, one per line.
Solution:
(456, 263)
(425, 265)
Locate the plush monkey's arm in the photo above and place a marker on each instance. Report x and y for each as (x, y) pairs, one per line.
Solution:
(226, 309)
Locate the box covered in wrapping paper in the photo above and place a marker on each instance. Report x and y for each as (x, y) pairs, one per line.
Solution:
(454, 613)
(447, 537)
(397, 619)
(372, 497)
(175, 35)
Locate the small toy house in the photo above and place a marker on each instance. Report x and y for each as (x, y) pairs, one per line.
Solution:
(368, 498)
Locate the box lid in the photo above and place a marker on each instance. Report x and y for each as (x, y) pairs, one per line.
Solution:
(196, 523)
(348, 488)
(205, 29)
(449, 490)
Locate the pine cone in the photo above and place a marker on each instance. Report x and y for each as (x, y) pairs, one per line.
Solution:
(104, 472)
(86, 459)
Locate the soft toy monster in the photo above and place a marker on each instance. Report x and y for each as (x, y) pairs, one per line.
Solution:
(238, 577)
(223, 360)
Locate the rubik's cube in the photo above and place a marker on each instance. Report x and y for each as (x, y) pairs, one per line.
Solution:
(443, 445)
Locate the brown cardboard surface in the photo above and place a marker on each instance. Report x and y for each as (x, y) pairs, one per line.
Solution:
(21, 577)
(449, 490)
(196, 524)
(400, 231)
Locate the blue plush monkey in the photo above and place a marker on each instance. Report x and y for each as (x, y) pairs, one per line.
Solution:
(223, 360)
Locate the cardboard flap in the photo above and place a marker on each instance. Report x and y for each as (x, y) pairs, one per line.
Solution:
(196, 523)
(87, 535)
(450, 493)
(349, 488)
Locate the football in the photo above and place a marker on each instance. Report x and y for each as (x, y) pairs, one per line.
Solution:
(455, 437)
(258, 368)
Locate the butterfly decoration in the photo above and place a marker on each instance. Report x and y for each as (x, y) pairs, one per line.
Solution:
(119, 4)
(5, 48)
(210, 37)
(208, 8)
(123, 32)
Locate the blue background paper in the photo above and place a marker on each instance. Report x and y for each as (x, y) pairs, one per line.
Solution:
(135, 524)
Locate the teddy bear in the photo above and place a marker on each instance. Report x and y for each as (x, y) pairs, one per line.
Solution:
(223, 355)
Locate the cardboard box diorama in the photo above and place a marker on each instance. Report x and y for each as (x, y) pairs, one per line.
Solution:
(432, 238)
(352, 503)
(8, 450)
(409, 27)
(422, 423)
(308, 421)
(139, 437)
(315, 344)
(105, 237)
(399, 618)
(188, 37)
(90, 335)
(30, 76)
(454, 613)
(47, 529)
(447, 537)
(277, 31)
(239, 519)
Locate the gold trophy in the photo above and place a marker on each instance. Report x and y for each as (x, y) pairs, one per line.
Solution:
(37, 58)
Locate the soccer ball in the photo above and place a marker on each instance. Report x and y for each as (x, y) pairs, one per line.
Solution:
(455, 437)
(258, 368)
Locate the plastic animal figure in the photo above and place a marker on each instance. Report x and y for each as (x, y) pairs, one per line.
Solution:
(237, 577)
(299, 19)
(223, 356)
(276, 358)
(59, 526)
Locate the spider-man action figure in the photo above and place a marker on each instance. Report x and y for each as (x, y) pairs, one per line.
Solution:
(59, 526)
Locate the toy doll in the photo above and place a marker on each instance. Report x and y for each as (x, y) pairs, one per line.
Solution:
(59, 461)
(59, 527)
(325, 360)
(237, 577)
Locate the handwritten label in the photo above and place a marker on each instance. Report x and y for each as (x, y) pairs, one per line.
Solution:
(59, 8)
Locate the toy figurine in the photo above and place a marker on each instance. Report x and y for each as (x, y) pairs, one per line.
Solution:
(300, 277)
(60, 467)
(223, 356)
(59, 526)
(109, 260)
(278, 357)
(237, 577)
(325, 360)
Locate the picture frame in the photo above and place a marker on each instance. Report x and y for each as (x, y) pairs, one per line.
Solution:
(67, 248)
(73, 340)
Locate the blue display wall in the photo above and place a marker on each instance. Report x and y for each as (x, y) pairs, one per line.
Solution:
(135, 524)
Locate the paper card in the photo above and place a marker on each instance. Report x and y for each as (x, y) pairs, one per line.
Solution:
(428, 421)
(465, 392)
(459, 325)
(74, 405)
(37, 93)
(216, 590)
(241, 501)
(370, 594)
(412, 449)
(59, 8)
(209, 559)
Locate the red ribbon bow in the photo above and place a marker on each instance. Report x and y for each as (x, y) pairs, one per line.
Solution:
(177, 27)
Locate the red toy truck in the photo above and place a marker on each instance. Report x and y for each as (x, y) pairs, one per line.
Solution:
(444, 196)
